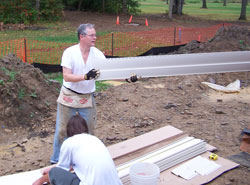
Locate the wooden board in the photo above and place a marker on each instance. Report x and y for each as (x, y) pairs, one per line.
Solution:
(140, 145)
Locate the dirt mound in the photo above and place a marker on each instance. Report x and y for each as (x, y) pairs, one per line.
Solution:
(26, 97)
(233, 38)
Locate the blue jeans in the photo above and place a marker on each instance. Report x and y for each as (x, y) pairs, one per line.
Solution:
(64, 113)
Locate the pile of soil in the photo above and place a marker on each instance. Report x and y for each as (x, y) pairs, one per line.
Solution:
(232, 38)
(28, 106)
(27, 97)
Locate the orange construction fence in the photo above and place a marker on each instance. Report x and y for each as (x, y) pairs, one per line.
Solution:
(121, 44)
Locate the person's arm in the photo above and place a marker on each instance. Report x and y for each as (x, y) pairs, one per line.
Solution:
(41, 180)
(68, 76)
(47, 169)
(45, 177)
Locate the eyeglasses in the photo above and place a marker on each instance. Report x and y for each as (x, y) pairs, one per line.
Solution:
(92, 35)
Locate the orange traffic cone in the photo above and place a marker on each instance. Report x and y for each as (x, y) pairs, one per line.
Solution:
(117, 20)
(146, 22)
(130, 19)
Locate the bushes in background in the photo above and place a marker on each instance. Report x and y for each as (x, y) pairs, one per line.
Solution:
(29, 12)
(108, 6)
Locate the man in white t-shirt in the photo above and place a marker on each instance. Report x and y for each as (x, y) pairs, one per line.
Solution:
(76, 94)
(86, 155)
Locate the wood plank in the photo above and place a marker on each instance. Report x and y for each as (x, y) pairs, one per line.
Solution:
(140, 145)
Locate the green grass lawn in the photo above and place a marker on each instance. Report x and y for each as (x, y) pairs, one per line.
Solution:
(214, 11)
(153, 6)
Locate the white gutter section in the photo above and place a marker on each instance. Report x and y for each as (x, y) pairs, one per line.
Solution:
(173, 65)
(167, 156)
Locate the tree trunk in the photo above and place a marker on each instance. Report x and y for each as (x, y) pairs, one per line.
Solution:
(166, 1)
(124, 7)
(103, 6)
(180, 6)
(37, 4)
(79, 5)
(204, 4)
(170, 9)
(224, 2)
(176, 7)
(243, 10)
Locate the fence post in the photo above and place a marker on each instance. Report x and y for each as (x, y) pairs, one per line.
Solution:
(25, 51)
(174, 34)
(112, 45)
(179, 34)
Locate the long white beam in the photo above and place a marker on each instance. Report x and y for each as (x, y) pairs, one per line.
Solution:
(173, 65)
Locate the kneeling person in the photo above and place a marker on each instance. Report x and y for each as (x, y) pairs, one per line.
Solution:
(86, 155)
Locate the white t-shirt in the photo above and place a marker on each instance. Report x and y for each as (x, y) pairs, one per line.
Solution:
(72, 59)
(90, 159)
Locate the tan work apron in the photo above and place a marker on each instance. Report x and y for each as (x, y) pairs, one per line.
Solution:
(72, 99)
(69, 99)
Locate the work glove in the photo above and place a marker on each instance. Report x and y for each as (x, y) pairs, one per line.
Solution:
(133, 78)
(92, 74)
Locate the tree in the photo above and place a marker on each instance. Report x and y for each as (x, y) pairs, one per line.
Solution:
(79, 5)
(243, 10)
(108, 6)
(177, 7)
(103, 5)
(204, 4)
(170, 9)
(30, 11)
(180, 6)
(37, 4)
(224, 2)
(124, 7)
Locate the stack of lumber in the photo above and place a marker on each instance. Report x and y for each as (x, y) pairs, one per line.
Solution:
(164, 147)
(167, 156)
(167, 147)
(138, 146)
